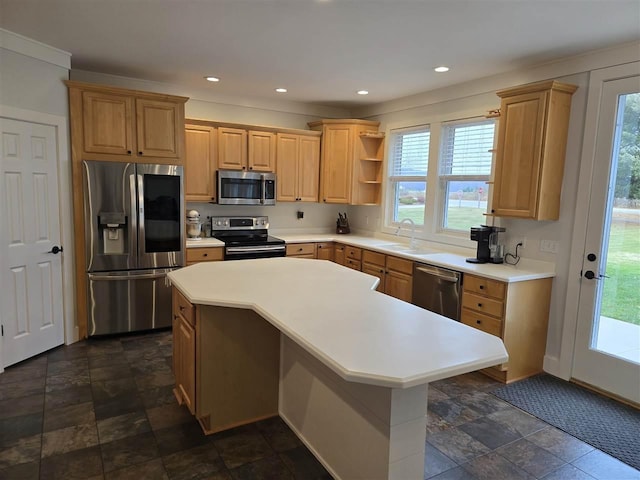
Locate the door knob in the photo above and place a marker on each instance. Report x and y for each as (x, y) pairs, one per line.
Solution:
(55, 250)
(589, 274)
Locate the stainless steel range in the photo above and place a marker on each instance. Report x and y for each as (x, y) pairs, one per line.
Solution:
(246, 237)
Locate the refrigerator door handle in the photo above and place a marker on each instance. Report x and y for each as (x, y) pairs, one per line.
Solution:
(140, 203)
(133, 248)
(142, 275)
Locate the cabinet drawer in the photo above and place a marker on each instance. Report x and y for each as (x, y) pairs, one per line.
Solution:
(482, 322)
(482, 304)
(183, 307)
(353, 252)
(373, 258)
(484, 286)
(400, 265)
(207, 254)
(301, 249)
(351, 263)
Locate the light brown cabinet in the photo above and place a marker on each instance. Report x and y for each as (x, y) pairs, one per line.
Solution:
(184, 350)
(351, 161)
(204, 254)
(200, 163)
(348, 256)
(297, 167)
(532, 140)
(395, 273)
(301, 250)
(516, 312)
(126, 125)
(324, 251)
(252, 150)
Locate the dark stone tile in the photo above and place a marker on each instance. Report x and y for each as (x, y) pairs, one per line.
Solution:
(303, 464)
(22, 388)
(436, 462)
(490, 433)
(457, 445)
(156, 397)
(68, 352)
(107, 389)
(243, 448)
(278, 434)
(62, 381)
(180, 437)
(604, 467)
(24, 371)
(453, 412)
(568, 472)
(108, 360)
(147, 367)
(520, 421)
(68, 416)
(153, 470)
(68, 439)
(97, 347)
(11, 429)
(76, 365)
(67, 396)
(435, 395)
(435, 423)
(22, 406)
(156, 379)
(531, 458)
(169, 415)
(111, 372)
(119, 405)
(198, 462)
(23, 450)
(129, 451)
(79, 464)
(466, 383)
(24, 471)
(115, 428)
(495, 467)
(561, 444)
(483, 403)
(270, 468)
(457, 473)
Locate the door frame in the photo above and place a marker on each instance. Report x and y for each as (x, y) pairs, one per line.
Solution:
(597, 78)
(61, 125)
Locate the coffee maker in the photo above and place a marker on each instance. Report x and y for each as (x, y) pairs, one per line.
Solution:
(489, 249)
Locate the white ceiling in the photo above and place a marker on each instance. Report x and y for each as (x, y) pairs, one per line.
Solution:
(321, 50)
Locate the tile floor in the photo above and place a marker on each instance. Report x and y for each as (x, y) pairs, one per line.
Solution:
(103, 409)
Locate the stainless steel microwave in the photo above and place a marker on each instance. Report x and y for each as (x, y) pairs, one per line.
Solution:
(246, 188)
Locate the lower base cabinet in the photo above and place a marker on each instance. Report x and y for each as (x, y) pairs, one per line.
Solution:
(204, 254)
(395, 274)
(518, 313)
(184, 351)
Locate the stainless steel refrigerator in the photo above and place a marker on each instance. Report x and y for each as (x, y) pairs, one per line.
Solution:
(134, 235)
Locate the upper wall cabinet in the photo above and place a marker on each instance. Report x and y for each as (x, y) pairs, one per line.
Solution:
(252, 150)
(200, 163)
(298, 167)
(351, 161)
(532, 140)
(111, 123)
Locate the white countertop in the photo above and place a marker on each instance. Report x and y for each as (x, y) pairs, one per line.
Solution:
(334, 313)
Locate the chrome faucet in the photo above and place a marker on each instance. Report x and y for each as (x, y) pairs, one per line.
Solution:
(413, 231)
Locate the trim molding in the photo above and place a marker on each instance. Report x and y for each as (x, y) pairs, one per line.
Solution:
(34, 49)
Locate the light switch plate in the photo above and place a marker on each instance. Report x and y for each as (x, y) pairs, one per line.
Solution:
(549, 246)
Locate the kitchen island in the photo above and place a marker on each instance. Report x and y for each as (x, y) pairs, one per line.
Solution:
(345, 366)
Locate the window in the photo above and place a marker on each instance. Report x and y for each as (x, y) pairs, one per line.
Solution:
(465, 167)
(408, 174)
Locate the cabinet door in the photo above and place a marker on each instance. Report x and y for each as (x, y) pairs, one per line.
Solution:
(325, 251)
(159, 127)
(232, 148)
(339, 256)
(287, 167)
(308, 168)
(199, 163)
(107, 123)
(399, 285)
(376, 271)
(262, 151)
(519, 155)
(186, 374)
(337, 161)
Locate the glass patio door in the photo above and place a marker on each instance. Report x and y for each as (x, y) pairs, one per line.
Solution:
(607, 348)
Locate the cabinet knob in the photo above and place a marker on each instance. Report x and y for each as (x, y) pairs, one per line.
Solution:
(493, 211)
(140, 153)
(181, 308)
(128, 152)
(205, 254)
(479, 322)
(300, 249)
(480, 305)
(250, 168)
(324, 199)
(481, 287)
(244, 168)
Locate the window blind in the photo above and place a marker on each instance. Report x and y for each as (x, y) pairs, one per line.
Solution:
(466, 148)
(411, 153)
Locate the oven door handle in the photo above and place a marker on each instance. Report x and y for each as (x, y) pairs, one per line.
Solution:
(273, 248)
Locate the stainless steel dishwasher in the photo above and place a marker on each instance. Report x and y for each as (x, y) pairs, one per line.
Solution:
(437, 289)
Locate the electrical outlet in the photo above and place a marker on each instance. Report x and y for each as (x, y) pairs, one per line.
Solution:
(520, 240)
(549, 246)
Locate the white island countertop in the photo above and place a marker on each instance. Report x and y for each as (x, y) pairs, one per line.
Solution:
(335, 314)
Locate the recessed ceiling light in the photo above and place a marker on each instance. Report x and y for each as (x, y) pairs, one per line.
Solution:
(363, 92)
(441, 69)
(212, 79)
(281, 90)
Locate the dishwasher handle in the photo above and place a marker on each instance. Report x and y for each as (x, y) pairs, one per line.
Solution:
(447, 276)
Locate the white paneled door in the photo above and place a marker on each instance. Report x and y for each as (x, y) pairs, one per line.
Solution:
(30, 272)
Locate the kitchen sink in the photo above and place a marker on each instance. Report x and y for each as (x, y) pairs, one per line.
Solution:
(405, 248)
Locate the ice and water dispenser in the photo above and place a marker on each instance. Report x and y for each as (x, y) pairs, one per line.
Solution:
(113, 231)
